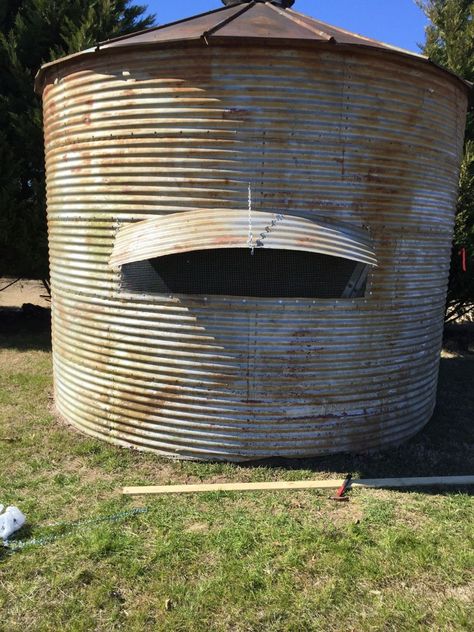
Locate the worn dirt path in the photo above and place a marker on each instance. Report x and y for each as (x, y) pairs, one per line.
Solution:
(25, 291)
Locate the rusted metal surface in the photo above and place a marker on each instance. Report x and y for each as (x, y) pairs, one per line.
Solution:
(357, 137)
(241, 23)
(205, 230)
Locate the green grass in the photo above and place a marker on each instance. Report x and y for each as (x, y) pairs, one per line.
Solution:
(262, 561)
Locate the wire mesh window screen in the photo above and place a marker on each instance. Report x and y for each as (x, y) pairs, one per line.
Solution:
(237, 272)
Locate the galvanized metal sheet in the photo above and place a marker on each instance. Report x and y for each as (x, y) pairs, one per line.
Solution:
(148, 135)
(242, 23)
(198, 230)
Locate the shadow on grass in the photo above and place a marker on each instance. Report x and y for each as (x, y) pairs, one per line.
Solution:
(28, 328)
(4, 552)
(25, 533)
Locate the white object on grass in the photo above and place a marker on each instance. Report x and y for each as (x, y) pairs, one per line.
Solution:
(10, 521)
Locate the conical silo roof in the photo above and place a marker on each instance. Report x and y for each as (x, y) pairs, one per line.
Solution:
(255, 19)
(237, 22)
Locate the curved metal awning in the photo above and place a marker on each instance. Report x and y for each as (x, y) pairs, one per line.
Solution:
(207, 230)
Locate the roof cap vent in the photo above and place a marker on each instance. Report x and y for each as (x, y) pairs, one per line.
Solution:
(285, 4)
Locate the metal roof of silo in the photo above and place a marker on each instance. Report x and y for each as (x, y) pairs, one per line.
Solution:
(241, 21)
(248, 20)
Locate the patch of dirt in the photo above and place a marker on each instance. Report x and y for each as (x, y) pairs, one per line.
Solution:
(197, 527)
(462, 593)
(23, 291)
(449, 354)
(345, 513)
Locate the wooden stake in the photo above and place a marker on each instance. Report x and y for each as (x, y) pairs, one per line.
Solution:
(427, 481)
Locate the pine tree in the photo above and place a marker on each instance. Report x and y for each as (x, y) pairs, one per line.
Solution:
(33, 32)
(450, 43)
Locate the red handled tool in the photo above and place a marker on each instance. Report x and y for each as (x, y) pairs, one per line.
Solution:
(339, 496)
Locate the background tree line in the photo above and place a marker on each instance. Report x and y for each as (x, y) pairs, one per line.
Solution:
(450, 42)
(33, 32)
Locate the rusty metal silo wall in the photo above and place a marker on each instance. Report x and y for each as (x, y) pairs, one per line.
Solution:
(370, 139)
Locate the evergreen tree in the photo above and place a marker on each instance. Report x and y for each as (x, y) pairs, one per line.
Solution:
(33, 32)
(450, 42)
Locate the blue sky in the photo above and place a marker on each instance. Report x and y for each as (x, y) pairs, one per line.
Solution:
(397, 22)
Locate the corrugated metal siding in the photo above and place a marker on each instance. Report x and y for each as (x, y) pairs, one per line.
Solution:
(359, 138)
(211, 230)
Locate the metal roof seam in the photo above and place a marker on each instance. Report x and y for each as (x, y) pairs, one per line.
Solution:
(288, 14)
(228, 19)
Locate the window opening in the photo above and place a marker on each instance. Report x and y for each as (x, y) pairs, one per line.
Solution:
(266, 273)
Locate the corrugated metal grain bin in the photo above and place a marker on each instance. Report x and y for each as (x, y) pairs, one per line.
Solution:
(250, 221)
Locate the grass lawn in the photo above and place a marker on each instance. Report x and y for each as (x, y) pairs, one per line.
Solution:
(262, 561)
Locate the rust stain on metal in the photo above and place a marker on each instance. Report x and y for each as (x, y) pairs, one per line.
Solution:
(201, 230)
(236, 378)
(241, 23)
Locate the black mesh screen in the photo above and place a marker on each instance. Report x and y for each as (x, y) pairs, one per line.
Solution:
(238, 272)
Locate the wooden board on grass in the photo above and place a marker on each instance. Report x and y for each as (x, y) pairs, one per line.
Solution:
(425, 481)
